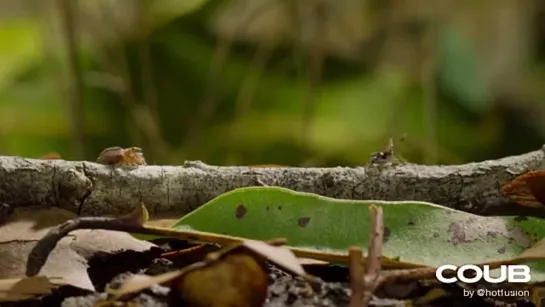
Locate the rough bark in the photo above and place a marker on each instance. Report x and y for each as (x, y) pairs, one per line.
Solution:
(94, 189)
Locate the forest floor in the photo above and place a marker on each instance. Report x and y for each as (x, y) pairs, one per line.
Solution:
(112, 269)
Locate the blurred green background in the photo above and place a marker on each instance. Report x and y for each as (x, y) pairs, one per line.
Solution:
(292, 82)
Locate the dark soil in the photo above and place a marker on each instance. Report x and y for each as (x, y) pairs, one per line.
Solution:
(111, 270)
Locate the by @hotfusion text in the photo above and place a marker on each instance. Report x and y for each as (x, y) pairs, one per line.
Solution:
(496, 293)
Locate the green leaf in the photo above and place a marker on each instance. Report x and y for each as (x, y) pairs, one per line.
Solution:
(417, 232)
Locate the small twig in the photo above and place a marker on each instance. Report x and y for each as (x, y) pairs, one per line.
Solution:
(208, 105)
(429, 85)
(144, 54)
(149, 90)
(248, 89)
(371, 279)
(251, 80)
(357, 270)
(315, 65)
(206, 247)
(69, 11)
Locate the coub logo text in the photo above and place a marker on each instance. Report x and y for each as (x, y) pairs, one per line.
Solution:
(507, 273)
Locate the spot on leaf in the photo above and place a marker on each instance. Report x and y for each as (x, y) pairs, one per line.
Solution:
(303, 222)
(458, 234)
(240, 211)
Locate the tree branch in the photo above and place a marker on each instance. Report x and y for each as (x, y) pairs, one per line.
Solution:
(94, 189)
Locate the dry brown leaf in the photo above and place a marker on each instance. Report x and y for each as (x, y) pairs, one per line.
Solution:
(528, 189)
(18, 289)
(69, 258)
(312, 262)
(236, 278)
(279, 255)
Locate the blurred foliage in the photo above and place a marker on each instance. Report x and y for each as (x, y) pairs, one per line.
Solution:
(302, 82)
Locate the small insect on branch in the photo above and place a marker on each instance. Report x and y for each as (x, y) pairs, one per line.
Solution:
(132, 156)
(387, 155)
